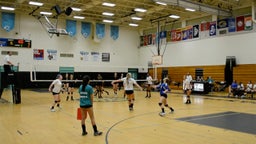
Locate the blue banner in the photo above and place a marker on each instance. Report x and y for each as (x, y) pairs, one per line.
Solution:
(100, 30)
(114, 32)
(71, 27)
(86, 29)
(8, 21)
(231, 25)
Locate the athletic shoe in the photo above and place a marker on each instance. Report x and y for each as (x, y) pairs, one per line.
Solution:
(172, 110)
(162, 114)
(84, 133)
(130, 108)
(52, 110)
(97, 133)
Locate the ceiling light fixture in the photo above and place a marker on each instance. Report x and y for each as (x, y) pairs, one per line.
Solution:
(108, 21)
(7, 8)
(78, 17)
(76, 9)
(161, 3)
(132, 24)
(108, 4)
(45, 13)
(174, 16)
(136, 18)
(190, 9)
(35, 3)
(107, 14)
(140, 10)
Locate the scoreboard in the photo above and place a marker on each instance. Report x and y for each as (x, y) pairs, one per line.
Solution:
(9, 42)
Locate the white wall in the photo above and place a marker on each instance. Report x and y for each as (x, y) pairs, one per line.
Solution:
(123, 51)
(211, 51)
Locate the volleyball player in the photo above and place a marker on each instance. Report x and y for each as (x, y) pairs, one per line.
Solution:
(66, 86)
(71, 87)
(164, 88)
(128, 83)
(86, 105)
(149, 83)
(56, 88)
(188, 89)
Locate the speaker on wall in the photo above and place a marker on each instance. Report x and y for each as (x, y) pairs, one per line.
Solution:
(57, 9)
(68, 11)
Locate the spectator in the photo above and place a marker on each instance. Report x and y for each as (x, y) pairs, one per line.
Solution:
(249, 88)
(233, 88)
(241, 90)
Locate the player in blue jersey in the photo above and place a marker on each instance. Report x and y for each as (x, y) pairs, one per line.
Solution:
(164, 88)
(86, 105)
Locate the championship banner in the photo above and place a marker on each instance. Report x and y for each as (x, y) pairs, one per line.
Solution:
(71, 27)
(86, 29)
(100, 30)
(204, 28)
(190, 32)
(173, 35)
(145, 40)
(184, 34)
(153, 39)
(150, 39)
(114, 32)
(38, 54)
(163, 37)
(8, 21)
(240, 23)
(212, 30)
(248, 23)
(222, 26)
(231, 25)
(178, 35)
(196, 31)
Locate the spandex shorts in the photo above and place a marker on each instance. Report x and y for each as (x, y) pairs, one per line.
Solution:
(164, 95)
(128, 92)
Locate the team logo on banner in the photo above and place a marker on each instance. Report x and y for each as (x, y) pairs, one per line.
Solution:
(178, 35)
(145, 40)
(184, 34)
(231, 25)
(8, 20)
(173, 35)
(212, 31)
(71, 27)
(150, 39)
(240, 23)
(248, 23)
(114, 32)
(163, 37)
(195, 31)
(100, 30)
(86, 29)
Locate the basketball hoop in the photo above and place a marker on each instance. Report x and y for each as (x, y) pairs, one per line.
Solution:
(157, 60)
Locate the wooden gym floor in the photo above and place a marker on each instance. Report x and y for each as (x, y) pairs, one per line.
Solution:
(208, 120)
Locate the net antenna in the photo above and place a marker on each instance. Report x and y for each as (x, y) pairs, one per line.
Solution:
(50, 24)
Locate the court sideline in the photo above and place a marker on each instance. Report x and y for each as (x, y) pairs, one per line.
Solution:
(32, 121)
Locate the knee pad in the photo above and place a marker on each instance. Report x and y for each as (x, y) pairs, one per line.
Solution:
(71, 92)
(129, 100)
(68, 92)
(166, 105)
(56, 101)
(160, 104)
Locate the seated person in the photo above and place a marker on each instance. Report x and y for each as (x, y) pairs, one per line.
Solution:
(240, 90)
(233, 88)
(253, 89)
(211, 82)
(249, 88)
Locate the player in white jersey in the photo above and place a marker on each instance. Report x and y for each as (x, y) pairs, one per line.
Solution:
(128, 83)
(56, 88)
(149, 83)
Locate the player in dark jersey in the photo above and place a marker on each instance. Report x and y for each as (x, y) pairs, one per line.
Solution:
(164, 88)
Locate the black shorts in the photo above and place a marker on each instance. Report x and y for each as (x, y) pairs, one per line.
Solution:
(128, 92)
(54, 93)
(163, 95)
(86, 106)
